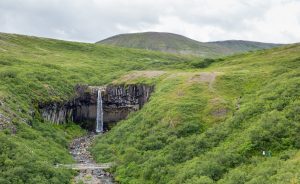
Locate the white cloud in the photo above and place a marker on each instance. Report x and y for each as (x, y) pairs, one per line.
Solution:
(204, 20)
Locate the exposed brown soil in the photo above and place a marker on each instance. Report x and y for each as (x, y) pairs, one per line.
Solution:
(204, 77)
(140, 74)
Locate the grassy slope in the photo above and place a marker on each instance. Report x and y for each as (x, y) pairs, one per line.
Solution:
(33, 70)
(29, 155)
(178, 137)
(36, 69)
(181, 136)
(168, 42)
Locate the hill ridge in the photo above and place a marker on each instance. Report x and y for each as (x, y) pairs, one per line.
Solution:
(175, 43)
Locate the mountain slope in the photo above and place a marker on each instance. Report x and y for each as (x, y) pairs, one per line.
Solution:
(208, 121)
(173, 43)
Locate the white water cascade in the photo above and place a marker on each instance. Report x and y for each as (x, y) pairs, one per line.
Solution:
(99, 119)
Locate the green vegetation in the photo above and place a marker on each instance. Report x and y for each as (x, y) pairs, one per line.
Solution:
(173, 43)
(34, 70)
(30, 154)
(203, 63)
(39, 70)
(208, 121)
(195, 132)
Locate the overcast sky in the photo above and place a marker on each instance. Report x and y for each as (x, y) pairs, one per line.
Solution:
(204, 20)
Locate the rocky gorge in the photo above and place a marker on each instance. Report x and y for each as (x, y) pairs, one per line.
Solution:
(118, 102)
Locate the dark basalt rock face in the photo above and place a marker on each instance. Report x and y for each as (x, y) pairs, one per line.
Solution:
(118, 102)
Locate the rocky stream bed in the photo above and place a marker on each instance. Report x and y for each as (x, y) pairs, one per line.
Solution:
(89, 173)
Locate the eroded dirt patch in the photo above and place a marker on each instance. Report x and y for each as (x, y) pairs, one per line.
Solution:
(219, 110)
(204, 77)
(140, 74)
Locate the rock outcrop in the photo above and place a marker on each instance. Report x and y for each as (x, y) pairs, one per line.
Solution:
(118, 102)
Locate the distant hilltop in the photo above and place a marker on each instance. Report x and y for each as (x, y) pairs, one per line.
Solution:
(174, 43)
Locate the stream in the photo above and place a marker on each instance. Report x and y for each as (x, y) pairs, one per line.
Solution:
(79, 150)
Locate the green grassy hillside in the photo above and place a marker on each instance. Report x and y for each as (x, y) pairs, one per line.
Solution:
(36, 70)
(208, 120)
(173, 43)
(212, 125)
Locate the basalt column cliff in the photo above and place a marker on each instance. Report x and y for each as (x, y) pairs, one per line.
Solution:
(118, 101)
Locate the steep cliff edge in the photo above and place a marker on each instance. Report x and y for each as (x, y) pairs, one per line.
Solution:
(118, 102)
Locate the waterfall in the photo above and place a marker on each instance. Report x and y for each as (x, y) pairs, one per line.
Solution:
(99, 119)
